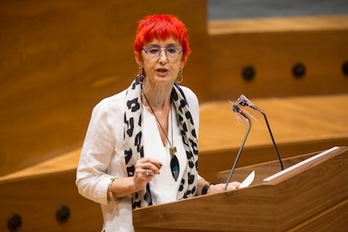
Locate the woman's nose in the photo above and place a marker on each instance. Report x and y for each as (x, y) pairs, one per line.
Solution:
(163, 56)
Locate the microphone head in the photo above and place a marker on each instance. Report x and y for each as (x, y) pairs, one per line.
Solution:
(244, 101)
(237, 110)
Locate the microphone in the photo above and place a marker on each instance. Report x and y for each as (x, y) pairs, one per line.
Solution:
(237, 110)
(244, 101)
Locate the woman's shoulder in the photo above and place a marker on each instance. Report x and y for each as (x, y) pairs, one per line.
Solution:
(189, 94)
(187, 90)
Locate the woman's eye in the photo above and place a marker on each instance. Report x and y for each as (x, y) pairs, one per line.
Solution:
(171, 50)
(153, 50)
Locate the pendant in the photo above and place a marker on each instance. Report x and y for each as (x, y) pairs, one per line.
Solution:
(174, 166)
(172, 150)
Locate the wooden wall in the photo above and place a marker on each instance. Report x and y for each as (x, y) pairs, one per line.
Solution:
(272, 47)
(59, 58)
(47, 202)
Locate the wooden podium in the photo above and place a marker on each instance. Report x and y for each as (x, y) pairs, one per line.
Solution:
(312, 197)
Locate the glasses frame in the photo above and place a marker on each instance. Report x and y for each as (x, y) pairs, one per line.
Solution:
(160, 49)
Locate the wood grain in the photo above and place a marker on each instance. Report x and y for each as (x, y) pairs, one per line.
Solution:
(221, 134)
(304, 201)
(58, 173)
(36, 199)
(299, 125)
(272, 47)
(59, 58)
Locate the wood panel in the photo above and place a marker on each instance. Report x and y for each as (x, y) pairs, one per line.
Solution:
(59, 58)
(299, 200)
(299, 125)
(37, 198)
(221, 134)
(38, 208)
(52, 181)
(272, 47)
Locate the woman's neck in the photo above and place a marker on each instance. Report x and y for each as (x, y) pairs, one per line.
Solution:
(157, 97)
(160, 108)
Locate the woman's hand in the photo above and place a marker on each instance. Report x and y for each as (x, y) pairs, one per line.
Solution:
(217, 188)
(145, 170)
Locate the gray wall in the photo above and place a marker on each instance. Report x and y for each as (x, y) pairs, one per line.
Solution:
(237, 9)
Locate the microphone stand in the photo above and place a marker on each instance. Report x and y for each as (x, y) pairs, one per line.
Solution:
(237, 110)
(244, 101)
(270, 133)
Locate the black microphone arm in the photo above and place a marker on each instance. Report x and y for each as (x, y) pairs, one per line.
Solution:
(236, 109)
(244, 101)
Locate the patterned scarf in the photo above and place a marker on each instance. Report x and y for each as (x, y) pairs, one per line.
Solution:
(133, 136)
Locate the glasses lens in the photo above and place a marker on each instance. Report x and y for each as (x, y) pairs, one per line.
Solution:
(171, 52)
(174, 165)
(153, 52)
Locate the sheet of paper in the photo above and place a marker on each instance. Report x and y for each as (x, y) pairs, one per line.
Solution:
(278, 174)
(247, 181)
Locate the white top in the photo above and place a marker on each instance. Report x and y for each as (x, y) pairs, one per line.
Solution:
(102, 157)
(163, 186)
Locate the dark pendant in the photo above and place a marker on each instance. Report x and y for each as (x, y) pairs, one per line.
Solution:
(174, 166)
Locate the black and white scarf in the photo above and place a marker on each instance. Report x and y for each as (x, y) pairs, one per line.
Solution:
(133, 136)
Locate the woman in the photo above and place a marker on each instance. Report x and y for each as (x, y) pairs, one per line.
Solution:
(141, 144)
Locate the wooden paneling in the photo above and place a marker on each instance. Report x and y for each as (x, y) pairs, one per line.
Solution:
(273, 47)
(36, 200)
(59, 58)
(299, 125)
(300, 200)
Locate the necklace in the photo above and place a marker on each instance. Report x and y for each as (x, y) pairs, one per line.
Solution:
(172, 149)
(174, 162)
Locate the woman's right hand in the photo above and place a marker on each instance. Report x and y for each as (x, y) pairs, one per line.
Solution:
(145, 170)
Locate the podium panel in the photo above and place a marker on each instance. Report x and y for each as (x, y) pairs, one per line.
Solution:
(309, 198)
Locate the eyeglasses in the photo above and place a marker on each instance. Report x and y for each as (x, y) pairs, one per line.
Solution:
(172, 53)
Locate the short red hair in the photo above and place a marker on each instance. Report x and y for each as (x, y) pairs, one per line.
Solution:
(161, 26)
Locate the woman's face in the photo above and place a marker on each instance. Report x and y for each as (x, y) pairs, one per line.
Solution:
(162, 60)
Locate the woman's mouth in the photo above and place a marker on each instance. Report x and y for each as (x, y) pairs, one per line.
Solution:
(162, 71)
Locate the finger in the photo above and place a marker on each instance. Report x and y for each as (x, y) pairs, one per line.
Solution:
(234, 185)
(140, 180)
(147, 173)
(147, 170)
(153, 168)
(151, 161)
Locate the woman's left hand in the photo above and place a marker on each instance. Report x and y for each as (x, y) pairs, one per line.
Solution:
(217, 188)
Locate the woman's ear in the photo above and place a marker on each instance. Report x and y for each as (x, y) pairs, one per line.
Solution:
(138, 58)
(183, 62)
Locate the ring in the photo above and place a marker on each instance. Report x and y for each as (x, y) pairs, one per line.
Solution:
(146, 172)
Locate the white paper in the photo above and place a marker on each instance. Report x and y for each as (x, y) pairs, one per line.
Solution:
(301, 164)
(247, 181)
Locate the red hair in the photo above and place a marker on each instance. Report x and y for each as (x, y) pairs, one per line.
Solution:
(161, 26)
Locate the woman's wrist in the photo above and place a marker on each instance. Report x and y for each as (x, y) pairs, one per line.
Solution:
(112, 197)
(120, 187)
